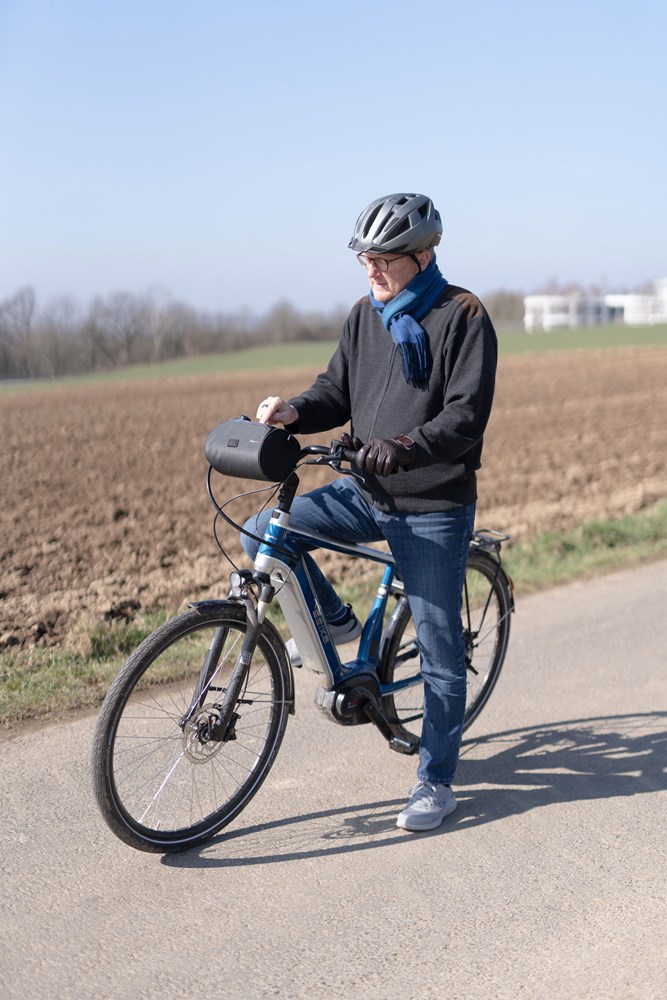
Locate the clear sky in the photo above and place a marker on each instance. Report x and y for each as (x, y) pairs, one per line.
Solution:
(222, 151)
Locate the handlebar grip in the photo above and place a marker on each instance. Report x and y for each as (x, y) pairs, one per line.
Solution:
(350, 455)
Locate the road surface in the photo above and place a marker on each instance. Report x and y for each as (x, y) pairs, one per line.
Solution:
(548, 882)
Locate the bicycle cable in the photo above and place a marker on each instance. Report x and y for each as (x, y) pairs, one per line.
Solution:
(238, 527)
(219, 510)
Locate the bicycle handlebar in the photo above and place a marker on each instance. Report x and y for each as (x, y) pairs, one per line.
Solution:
(335, 453)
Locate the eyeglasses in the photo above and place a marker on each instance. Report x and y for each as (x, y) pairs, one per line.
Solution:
(382, 263)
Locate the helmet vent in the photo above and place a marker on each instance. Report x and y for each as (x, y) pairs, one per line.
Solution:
(399, 229)
(371, 219)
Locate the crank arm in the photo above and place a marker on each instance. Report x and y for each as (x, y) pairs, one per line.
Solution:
(379, 719)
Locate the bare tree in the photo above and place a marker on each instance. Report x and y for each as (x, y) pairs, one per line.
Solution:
(124, 317)
(16, 347)
(58, 335)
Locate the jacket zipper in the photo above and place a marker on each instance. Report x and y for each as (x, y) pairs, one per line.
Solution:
(384, 393)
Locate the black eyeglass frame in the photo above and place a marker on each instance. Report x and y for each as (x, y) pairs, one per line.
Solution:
(382, 263)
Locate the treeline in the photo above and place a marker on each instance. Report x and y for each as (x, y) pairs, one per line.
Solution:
(125, 329)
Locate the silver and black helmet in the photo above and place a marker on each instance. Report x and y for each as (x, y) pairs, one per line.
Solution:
(400, 223)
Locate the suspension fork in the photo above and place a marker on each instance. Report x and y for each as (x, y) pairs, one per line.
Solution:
(224, 712)
(226, 718)
(206, 674)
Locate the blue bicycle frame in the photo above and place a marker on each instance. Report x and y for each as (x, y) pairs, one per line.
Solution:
(280, 558)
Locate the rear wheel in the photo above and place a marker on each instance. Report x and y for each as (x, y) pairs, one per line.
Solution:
(164, 780)
(485, 614)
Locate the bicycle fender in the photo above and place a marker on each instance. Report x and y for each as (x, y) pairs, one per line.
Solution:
(203, 607)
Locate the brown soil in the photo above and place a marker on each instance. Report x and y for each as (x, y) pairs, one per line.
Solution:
(104, 505)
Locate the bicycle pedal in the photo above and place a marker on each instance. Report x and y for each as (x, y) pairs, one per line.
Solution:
(406, 745)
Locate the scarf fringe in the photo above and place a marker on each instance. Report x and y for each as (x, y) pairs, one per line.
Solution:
(416, 364)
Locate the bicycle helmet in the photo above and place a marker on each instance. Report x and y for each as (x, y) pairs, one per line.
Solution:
(401, 223)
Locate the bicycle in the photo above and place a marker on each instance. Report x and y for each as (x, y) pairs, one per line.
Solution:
(194, 720)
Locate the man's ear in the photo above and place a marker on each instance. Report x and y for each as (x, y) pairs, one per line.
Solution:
(424, 258)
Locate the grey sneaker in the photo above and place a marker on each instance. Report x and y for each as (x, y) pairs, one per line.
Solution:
(340, 634)
(428, 806)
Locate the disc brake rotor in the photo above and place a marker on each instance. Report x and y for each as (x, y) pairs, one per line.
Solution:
(197, 745)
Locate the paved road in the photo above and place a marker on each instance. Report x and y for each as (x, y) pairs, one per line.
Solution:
(547, 883)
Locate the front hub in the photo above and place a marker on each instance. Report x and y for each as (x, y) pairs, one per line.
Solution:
(203, 736)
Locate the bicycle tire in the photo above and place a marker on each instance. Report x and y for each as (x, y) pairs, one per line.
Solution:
(159, 787)
(486, 609)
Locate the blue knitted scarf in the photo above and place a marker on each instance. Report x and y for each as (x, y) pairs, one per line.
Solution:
(399, 316)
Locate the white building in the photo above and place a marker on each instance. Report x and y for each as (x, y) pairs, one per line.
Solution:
(545, 312)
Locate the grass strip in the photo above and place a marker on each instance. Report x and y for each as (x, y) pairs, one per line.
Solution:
(590, 549)
(317, 353)
(45, 684)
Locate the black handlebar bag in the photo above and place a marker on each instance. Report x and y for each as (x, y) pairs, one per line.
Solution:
(247, 450)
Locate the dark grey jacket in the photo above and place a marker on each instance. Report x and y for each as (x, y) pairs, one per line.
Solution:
(364, 383)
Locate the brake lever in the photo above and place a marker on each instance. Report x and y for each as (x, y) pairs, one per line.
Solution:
(334, 463)
(351, 472)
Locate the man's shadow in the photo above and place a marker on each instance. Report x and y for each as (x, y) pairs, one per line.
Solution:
(595, 758)
(499, 775)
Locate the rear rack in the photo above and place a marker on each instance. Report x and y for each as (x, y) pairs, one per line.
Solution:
(489, 539)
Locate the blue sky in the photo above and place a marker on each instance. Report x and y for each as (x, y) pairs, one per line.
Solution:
(222, 151)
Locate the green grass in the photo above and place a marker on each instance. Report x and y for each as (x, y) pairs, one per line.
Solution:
(43, 684)
(592, 548)
(305, 354)
(520, 342)
(314, 354)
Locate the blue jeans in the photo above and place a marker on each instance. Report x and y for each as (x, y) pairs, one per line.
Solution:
(430, 552)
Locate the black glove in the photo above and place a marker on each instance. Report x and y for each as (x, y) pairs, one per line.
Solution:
(383, 456)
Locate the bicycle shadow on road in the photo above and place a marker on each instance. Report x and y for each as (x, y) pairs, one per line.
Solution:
(499, 775)
(503, 774)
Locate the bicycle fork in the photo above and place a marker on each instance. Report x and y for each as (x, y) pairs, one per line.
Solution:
(218, 722)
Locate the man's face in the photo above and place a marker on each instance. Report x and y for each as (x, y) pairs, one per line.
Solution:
(385, 285)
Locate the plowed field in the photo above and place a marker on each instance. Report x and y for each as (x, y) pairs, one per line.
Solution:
(104, 506)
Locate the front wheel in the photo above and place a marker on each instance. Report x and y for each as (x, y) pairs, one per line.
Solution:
(164, 778)
(485, 615)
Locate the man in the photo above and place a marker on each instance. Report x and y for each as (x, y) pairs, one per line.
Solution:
(414, 372)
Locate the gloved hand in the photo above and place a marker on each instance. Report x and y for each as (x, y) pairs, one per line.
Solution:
(383, 456)
(351, 443)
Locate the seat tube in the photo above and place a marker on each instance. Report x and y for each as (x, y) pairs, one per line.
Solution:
(369, 644)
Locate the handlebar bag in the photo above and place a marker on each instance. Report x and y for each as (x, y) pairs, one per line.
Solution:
(247, 450)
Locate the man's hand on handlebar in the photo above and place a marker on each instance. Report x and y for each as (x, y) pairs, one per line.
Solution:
(351, 443)
(381, 456)
(274, 410)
